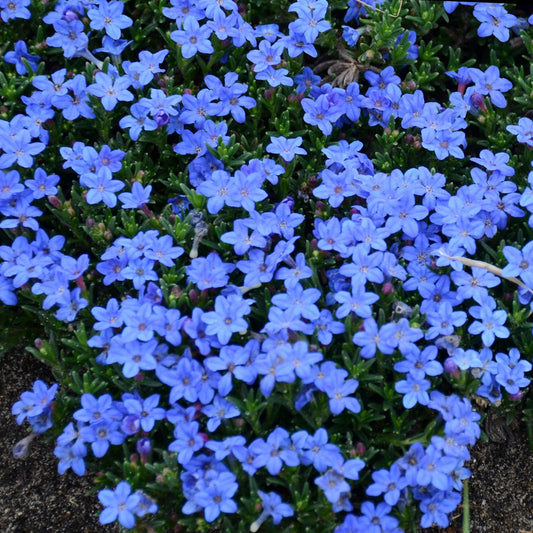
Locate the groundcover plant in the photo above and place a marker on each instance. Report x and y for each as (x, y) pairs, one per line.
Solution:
(278, 255)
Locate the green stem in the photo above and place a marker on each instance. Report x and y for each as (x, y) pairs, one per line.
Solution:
(466, 508)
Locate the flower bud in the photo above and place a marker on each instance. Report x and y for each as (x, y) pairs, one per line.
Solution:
(54, 200)
(144, 447)
(451, 367)
(131, 424)
(162, 118)
(22, 447)
(387, 288)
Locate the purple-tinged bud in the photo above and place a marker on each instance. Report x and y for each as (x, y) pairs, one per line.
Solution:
(451, 367)
(38, 343)
(69, 15)
(55, 201)
(144, 447)
(131, 424)
(90, 222)
(517, 396)
(162, 118)
(289, 201)
(479, 101)
(162, 81)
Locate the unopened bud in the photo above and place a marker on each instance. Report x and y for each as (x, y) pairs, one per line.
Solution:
(517, 396)
(360, 448)
(450, 366)
(55, 201)
(22, 447)
(387, 288)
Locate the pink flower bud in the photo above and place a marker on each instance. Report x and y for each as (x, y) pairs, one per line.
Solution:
(387, 288)
(55, 201)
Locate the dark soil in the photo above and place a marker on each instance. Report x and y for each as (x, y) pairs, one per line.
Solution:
(34, 498)
(501, 488)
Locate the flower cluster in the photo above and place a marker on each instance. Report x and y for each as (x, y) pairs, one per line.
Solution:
(326, 257)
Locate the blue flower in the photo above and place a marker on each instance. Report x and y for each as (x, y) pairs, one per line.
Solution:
(19, 149)
(110, 90)
(286, 148)
(21, 52)
(221, 409)
(210, 271)
(389, 482)
(267, 55)
(146, 409)
(338, 391)
(69, 36)
(193, 38)
(490, 322)
(227, 318)
(523, 130)
(119, 503)
(15, 9)
(109, 16)
(102, 188)
(272, 506)
(36, 406)
(335, 187)
(215, 498)
(138, 197)
(495, 20)
(414, 391)
(358, 301)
